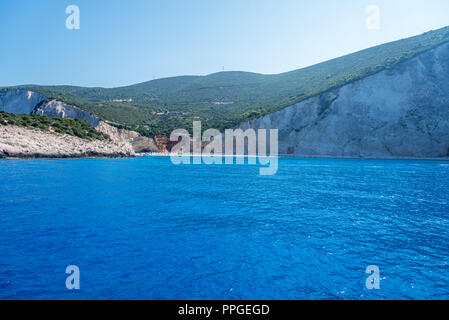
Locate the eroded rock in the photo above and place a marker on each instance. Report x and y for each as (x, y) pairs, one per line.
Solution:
(401, 112)
(21, 142)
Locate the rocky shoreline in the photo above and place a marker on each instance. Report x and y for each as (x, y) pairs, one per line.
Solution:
(19, 142)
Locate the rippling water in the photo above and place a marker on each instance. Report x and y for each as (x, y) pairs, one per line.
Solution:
(146, 229)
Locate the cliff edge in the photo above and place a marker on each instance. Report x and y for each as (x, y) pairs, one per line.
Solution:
(402, 112)
(32, 103)
(20, 142)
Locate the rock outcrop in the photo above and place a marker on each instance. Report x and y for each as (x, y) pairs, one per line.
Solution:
(19, 142)
(138, 142)
(400, 112)
(28, 102)
(58, 109)
(20, 101)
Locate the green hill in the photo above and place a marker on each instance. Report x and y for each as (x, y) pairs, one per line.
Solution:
(224, 99)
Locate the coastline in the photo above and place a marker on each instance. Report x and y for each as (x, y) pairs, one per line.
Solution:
(61, 157)
(309, 157)
(101, 155)
(161, 154)
(22, 143)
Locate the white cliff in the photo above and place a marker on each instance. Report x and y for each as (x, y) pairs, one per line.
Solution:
(138, 142)
(20, 101)
(400, 112)
(58, 109)
(28, 102)
(19, 142)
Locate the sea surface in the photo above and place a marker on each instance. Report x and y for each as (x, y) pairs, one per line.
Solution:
(144, 228)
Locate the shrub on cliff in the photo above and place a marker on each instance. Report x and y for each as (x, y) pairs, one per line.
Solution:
(73, 127)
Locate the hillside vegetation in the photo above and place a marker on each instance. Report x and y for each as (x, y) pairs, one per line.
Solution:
(225, 99)
(73, 127)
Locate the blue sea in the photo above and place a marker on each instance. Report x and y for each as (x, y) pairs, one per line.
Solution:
(144, 228)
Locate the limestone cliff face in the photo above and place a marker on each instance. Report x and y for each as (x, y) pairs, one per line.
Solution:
(138, 142)
(28, 102)
(401, 112)
(19, 142)
(60, 109)
(20, 101)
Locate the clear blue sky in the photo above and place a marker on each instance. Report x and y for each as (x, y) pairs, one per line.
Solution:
(126, 42)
